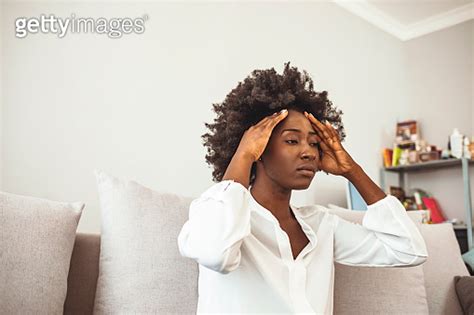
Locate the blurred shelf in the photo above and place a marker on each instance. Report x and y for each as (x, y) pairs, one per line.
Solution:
(463, 164)
(427, 165)
(455, 226)
(460, 226)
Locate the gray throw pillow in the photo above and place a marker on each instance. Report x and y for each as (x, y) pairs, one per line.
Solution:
(36, 243)
(465, 291)
(373, 290)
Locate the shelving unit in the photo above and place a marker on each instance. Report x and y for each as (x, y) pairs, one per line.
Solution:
(403, 170)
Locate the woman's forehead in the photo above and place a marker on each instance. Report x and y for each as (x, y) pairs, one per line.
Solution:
(295, 120)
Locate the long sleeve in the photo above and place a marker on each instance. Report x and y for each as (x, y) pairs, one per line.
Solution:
(387, 237)
(218, 222)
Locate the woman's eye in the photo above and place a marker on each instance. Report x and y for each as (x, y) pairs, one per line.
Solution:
(314, 144)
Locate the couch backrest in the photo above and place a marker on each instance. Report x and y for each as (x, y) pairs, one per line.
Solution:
(83, 274)
(443, 264)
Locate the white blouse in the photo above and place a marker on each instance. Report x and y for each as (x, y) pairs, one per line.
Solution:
(245, 260)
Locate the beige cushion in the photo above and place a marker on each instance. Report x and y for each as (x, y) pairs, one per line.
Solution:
(378, 290)
(36, 243)
(140, 268)
(443, 264)
(375, 290)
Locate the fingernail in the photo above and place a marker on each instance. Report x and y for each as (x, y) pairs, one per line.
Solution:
(283, 110)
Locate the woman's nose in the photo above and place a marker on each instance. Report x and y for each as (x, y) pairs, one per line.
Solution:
(308, 154)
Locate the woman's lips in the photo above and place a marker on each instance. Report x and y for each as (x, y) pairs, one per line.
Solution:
(306, 172)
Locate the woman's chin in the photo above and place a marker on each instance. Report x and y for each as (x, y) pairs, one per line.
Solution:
(302, 184)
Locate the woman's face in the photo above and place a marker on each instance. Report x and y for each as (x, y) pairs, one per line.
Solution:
(292, 145)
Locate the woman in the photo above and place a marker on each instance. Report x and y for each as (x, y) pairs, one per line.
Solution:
(257, 252)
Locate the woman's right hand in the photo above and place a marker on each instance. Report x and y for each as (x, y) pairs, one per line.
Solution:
(255, 139)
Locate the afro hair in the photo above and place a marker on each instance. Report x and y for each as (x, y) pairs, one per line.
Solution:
(262, 93)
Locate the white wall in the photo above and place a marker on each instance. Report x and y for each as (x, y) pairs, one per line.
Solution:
(1, 99)
(136, 106)
(439, 67)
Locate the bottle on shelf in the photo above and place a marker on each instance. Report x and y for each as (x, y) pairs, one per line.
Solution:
(456, 143)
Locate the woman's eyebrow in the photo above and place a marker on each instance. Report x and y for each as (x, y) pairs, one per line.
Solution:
(297, 130)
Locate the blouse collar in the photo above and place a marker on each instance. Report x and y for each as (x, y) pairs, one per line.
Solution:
(267, 214)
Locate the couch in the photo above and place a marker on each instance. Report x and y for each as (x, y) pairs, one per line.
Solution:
(444, 263)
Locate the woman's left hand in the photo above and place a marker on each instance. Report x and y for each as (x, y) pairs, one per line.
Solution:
(335, 159)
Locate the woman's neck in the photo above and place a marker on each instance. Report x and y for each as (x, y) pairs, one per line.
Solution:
(273, 198)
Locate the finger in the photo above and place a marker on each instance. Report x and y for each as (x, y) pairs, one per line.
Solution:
(319, 126)
(268, 118)
(324, 134)
(263, 120)
(326, 130)
(326, 150)
(277, 118)
(324, 146)
(327, 146)
(332, 130)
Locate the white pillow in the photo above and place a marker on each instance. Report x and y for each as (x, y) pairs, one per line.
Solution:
(36, 243)
(140, 269)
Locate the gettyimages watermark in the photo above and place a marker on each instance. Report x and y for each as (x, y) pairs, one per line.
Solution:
(112, 27)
